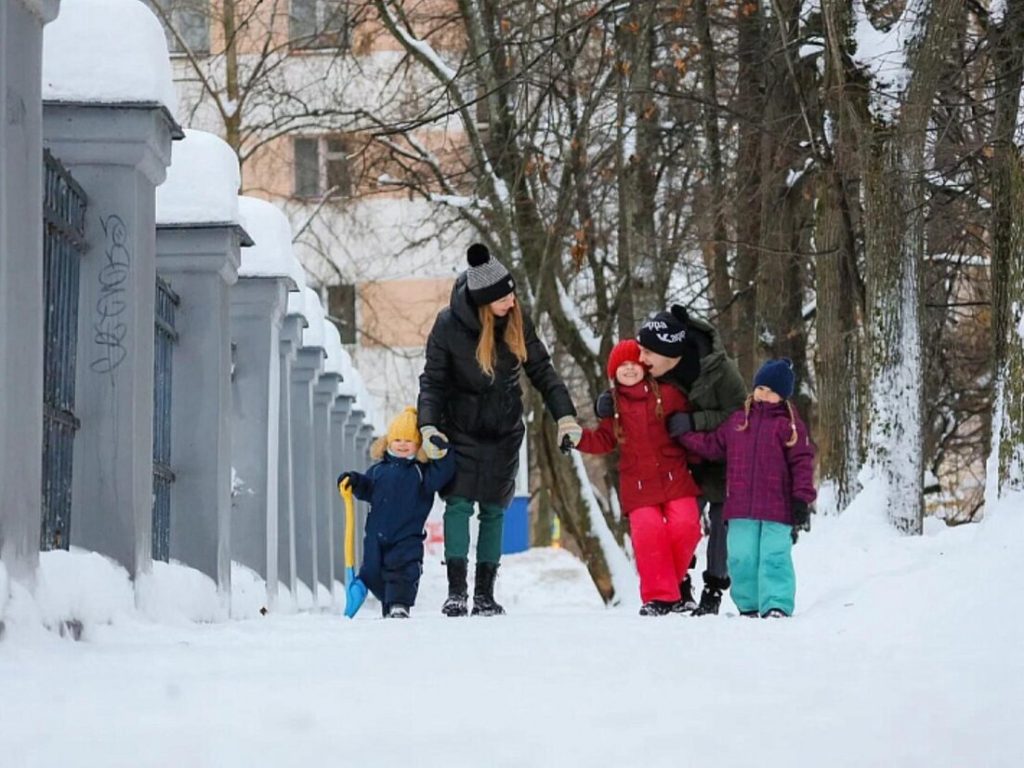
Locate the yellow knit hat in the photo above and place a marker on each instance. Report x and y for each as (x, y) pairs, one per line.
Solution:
(403, 427)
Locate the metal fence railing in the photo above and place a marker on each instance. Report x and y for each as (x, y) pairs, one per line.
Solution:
(63, 245)
(163, 474)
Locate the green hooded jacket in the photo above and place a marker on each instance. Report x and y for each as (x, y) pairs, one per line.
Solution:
(718, 391)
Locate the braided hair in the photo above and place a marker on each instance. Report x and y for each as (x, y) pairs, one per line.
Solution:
(793, 437)
(652, 384)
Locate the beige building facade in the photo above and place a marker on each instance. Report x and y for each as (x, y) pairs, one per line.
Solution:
(296, 96)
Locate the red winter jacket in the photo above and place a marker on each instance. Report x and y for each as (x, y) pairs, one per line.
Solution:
(652, 466)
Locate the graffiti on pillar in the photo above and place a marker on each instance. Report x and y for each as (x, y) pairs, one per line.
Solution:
(109, 327)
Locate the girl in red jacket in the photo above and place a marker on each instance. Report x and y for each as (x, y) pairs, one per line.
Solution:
(657, 492)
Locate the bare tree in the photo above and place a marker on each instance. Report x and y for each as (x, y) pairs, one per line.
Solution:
(1006, 37)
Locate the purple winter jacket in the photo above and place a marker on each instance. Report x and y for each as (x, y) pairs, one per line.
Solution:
(763, 476)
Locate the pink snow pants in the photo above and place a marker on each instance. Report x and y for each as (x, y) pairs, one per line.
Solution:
(664, 540)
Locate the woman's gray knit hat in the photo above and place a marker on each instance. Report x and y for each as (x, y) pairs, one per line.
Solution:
(487, 278)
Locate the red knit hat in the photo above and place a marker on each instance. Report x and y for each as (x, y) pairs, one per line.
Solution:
(626, 351)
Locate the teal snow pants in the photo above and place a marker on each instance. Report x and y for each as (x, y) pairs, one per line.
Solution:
(761, 566)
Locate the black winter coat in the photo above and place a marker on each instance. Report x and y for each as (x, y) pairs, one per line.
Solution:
(482, 417)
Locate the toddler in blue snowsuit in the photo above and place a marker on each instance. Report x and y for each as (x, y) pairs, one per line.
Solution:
(400, 488)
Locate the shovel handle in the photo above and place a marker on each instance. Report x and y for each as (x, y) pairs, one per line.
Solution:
(566, 446)
(345, 489)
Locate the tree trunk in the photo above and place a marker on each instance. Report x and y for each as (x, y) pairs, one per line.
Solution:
(779, 300)
(233, 116)
(747, 204)
(894, 245)
(559, 479)
(716, 251)
(893, 162)
(839, 364)
(839, 359)
(1007, 225)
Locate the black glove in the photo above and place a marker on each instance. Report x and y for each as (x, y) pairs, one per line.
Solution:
(679, 424)
(352, 477)
(604, 408)
(801, 518)
(439, 441)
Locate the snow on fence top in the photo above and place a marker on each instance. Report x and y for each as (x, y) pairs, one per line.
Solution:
(107, 52)
(297, 305)
(202, 183)
(335, 352)
(313, 336)
(271, 254)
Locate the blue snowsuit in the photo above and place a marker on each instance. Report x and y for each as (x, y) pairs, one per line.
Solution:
(401, 493)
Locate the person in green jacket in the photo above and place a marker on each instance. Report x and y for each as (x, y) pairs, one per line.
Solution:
(688, 353)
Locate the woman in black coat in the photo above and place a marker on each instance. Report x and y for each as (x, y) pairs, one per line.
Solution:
(470, 395)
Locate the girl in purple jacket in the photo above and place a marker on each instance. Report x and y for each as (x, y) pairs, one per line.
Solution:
(769, 464)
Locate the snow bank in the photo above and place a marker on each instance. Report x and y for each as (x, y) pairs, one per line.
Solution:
(905, 651)
(271, 254)
(174, 593)
(77, 591)
(107, 51)
(202, 182)
(248, 592)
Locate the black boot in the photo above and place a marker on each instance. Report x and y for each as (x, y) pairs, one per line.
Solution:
(686, 602)
(657, 608)
(711, 597)
(458, 593)
(483, 591)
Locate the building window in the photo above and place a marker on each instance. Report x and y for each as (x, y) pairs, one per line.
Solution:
(319, 24)
(341, 307)
(322, 167)
(186, 24)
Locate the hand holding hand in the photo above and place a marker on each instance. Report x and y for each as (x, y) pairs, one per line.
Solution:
(435, 442)
(569, 428)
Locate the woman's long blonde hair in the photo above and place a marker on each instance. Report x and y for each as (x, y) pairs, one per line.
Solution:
(514, 338)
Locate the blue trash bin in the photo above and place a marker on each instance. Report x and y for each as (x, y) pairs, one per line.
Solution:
(515, 535)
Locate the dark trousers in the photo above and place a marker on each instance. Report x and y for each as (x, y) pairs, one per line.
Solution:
(718, 555)
(391, 570)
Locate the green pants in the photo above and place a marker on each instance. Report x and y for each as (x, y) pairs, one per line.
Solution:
(457, 512)
(761, 566)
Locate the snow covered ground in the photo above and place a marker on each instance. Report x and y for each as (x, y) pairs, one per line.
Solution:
(904, 652)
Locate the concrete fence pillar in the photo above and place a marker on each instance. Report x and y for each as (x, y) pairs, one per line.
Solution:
(118, 154)
(21, 282)
(291, 340)
(305, 373)
(201, 264)
(327, 542)
(257, 309)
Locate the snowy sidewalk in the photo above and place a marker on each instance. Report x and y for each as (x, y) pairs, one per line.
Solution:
(905, 652)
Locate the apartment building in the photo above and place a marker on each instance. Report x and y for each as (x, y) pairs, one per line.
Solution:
(296, 86)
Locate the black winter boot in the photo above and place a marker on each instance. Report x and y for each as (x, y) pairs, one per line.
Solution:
(686, 602)
(711, 597)
(483, 591)
(458, 593)
(657, 608)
